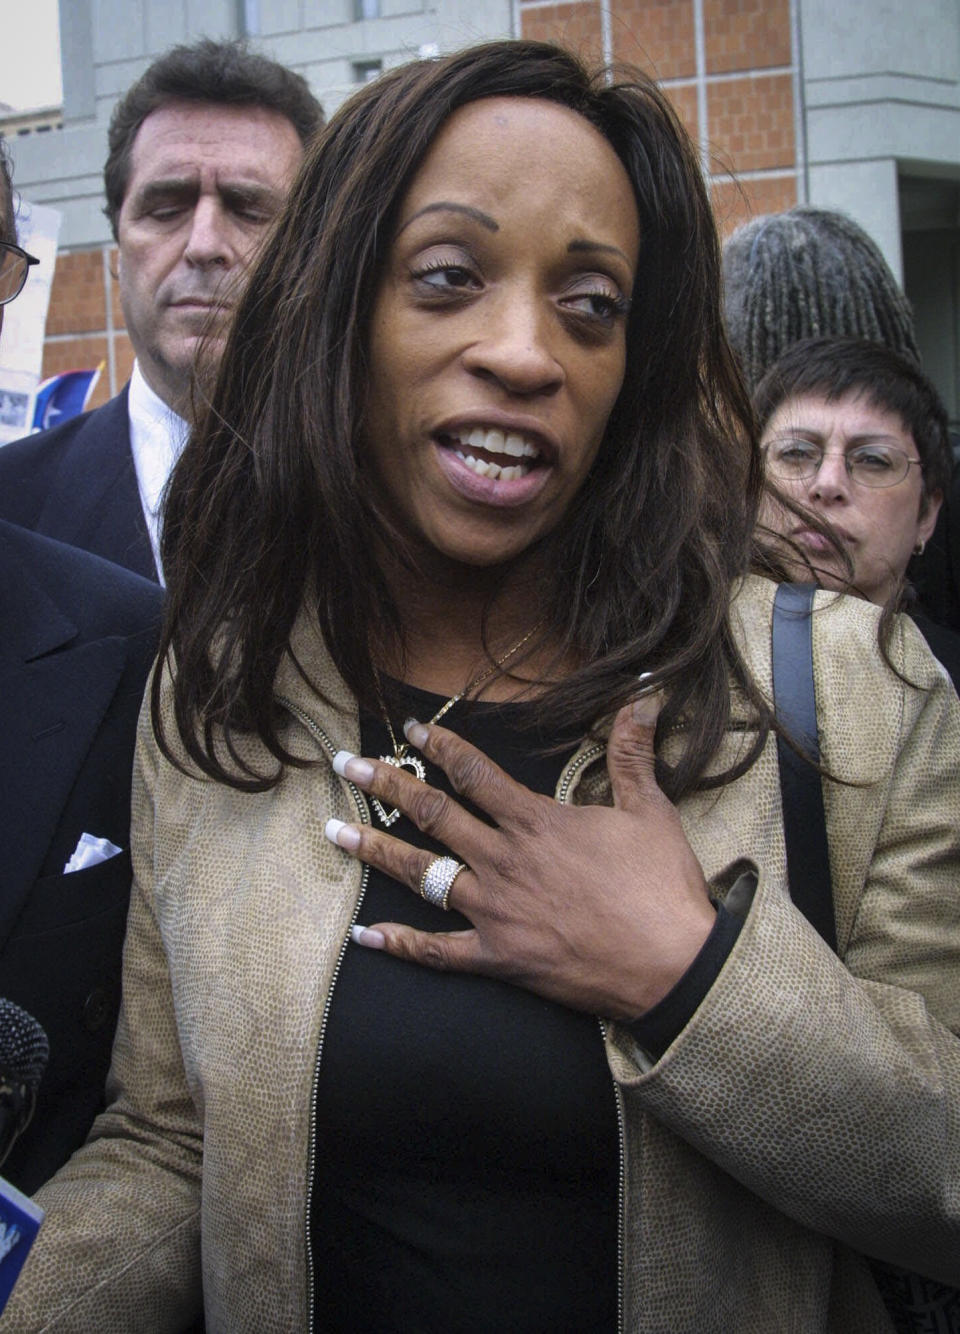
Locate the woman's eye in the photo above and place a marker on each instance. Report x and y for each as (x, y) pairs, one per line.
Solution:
(446, 278)
(795, 451)
(873, 460)
(599, 304)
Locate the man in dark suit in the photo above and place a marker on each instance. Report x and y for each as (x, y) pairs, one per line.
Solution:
(203, 149)
(77, 636)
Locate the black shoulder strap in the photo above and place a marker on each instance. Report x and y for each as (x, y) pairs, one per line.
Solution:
(804, 821)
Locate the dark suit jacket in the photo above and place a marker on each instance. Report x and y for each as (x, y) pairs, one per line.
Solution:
(77, 637)
(77, 483)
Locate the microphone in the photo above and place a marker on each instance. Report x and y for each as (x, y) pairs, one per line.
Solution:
(24, 1052)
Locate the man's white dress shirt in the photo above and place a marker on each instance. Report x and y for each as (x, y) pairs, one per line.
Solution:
(157, 437)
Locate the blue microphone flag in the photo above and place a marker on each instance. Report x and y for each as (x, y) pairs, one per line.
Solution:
(20, 1221)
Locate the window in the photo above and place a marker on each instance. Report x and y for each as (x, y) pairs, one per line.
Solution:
(365, 71)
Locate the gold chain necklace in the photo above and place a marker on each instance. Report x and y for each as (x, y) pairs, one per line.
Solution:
(404, 757)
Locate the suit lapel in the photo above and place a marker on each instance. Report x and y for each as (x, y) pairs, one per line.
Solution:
(54, 694)
(94, 502)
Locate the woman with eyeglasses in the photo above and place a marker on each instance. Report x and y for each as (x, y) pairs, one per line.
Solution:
(464, 990)
(855, 444)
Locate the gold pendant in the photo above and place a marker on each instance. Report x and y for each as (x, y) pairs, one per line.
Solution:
(416, 767)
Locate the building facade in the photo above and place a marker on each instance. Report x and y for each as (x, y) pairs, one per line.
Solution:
(852, 104)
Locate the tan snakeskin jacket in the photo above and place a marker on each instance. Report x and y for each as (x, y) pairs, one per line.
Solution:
(808, 1112)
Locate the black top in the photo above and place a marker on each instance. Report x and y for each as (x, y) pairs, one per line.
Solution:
(467, 1144)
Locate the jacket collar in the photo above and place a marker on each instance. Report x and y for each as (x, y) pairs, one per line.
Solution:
(94, 500)
(308, 679)
(33, 624)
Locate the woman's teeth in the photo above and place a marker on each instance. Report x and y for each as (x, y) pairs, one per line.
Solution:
(495, 470)
(495, 442)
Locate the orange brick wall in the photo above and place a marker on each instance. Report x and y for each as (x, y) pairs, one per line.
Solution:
(751, 122)
(657, 35)
(578, 23)
(750, 128)
(737, 201)
(747, 81)
(81, 327)
(746, 34)
(684, 99)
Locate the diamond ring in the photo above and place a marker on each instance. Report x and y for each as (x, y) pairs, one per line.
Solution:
(437, 881)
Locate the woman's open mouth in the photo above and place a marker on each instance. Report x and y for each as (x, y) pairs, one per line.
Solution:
(501, 456)
(494, 466)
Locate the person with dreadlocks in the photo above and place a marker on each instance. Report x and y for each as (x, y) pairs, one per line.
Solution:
(810, 273)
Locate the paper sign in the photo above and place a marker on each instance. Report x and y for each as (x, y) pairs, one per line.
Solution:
(25, 321)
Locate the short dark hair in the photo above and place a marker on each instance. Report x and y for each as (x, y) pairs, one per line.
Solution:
(839, 368)
(221, 72)
(271, 503)
(8, 222)
(809, 273)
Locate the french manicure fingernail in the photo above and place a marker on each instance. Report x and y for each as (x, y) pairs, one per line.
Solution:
(348, 765)
(343, 834)
(415, 733)
(365, 935)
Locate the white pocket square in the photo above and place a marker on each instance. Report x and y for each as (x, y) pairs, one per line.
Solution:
(89, 851)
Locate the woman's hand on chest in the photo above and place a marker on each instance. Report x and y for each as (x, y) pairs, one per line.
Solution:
(600, 908)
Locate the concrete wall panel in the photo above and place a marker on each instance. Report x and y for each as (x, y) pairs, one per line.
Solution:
(868, 130)
(846, 37)
(868, 192)
(119, 31)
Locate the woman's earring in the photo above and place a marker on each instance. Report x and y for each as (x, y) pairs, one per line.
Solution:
(919, 549)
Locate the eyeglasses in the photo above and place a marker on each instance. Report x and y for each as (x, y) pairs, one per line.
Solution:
(867, 465)
(14, 263)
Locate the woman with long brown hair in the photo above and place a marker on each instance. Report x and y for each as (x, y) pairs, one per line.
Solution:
(462, 742)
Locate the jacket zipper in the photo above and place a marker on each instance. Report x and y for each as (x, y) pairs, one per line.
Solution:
(570, 773)
(621, 1188)
(363, 809)
(563, 794)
